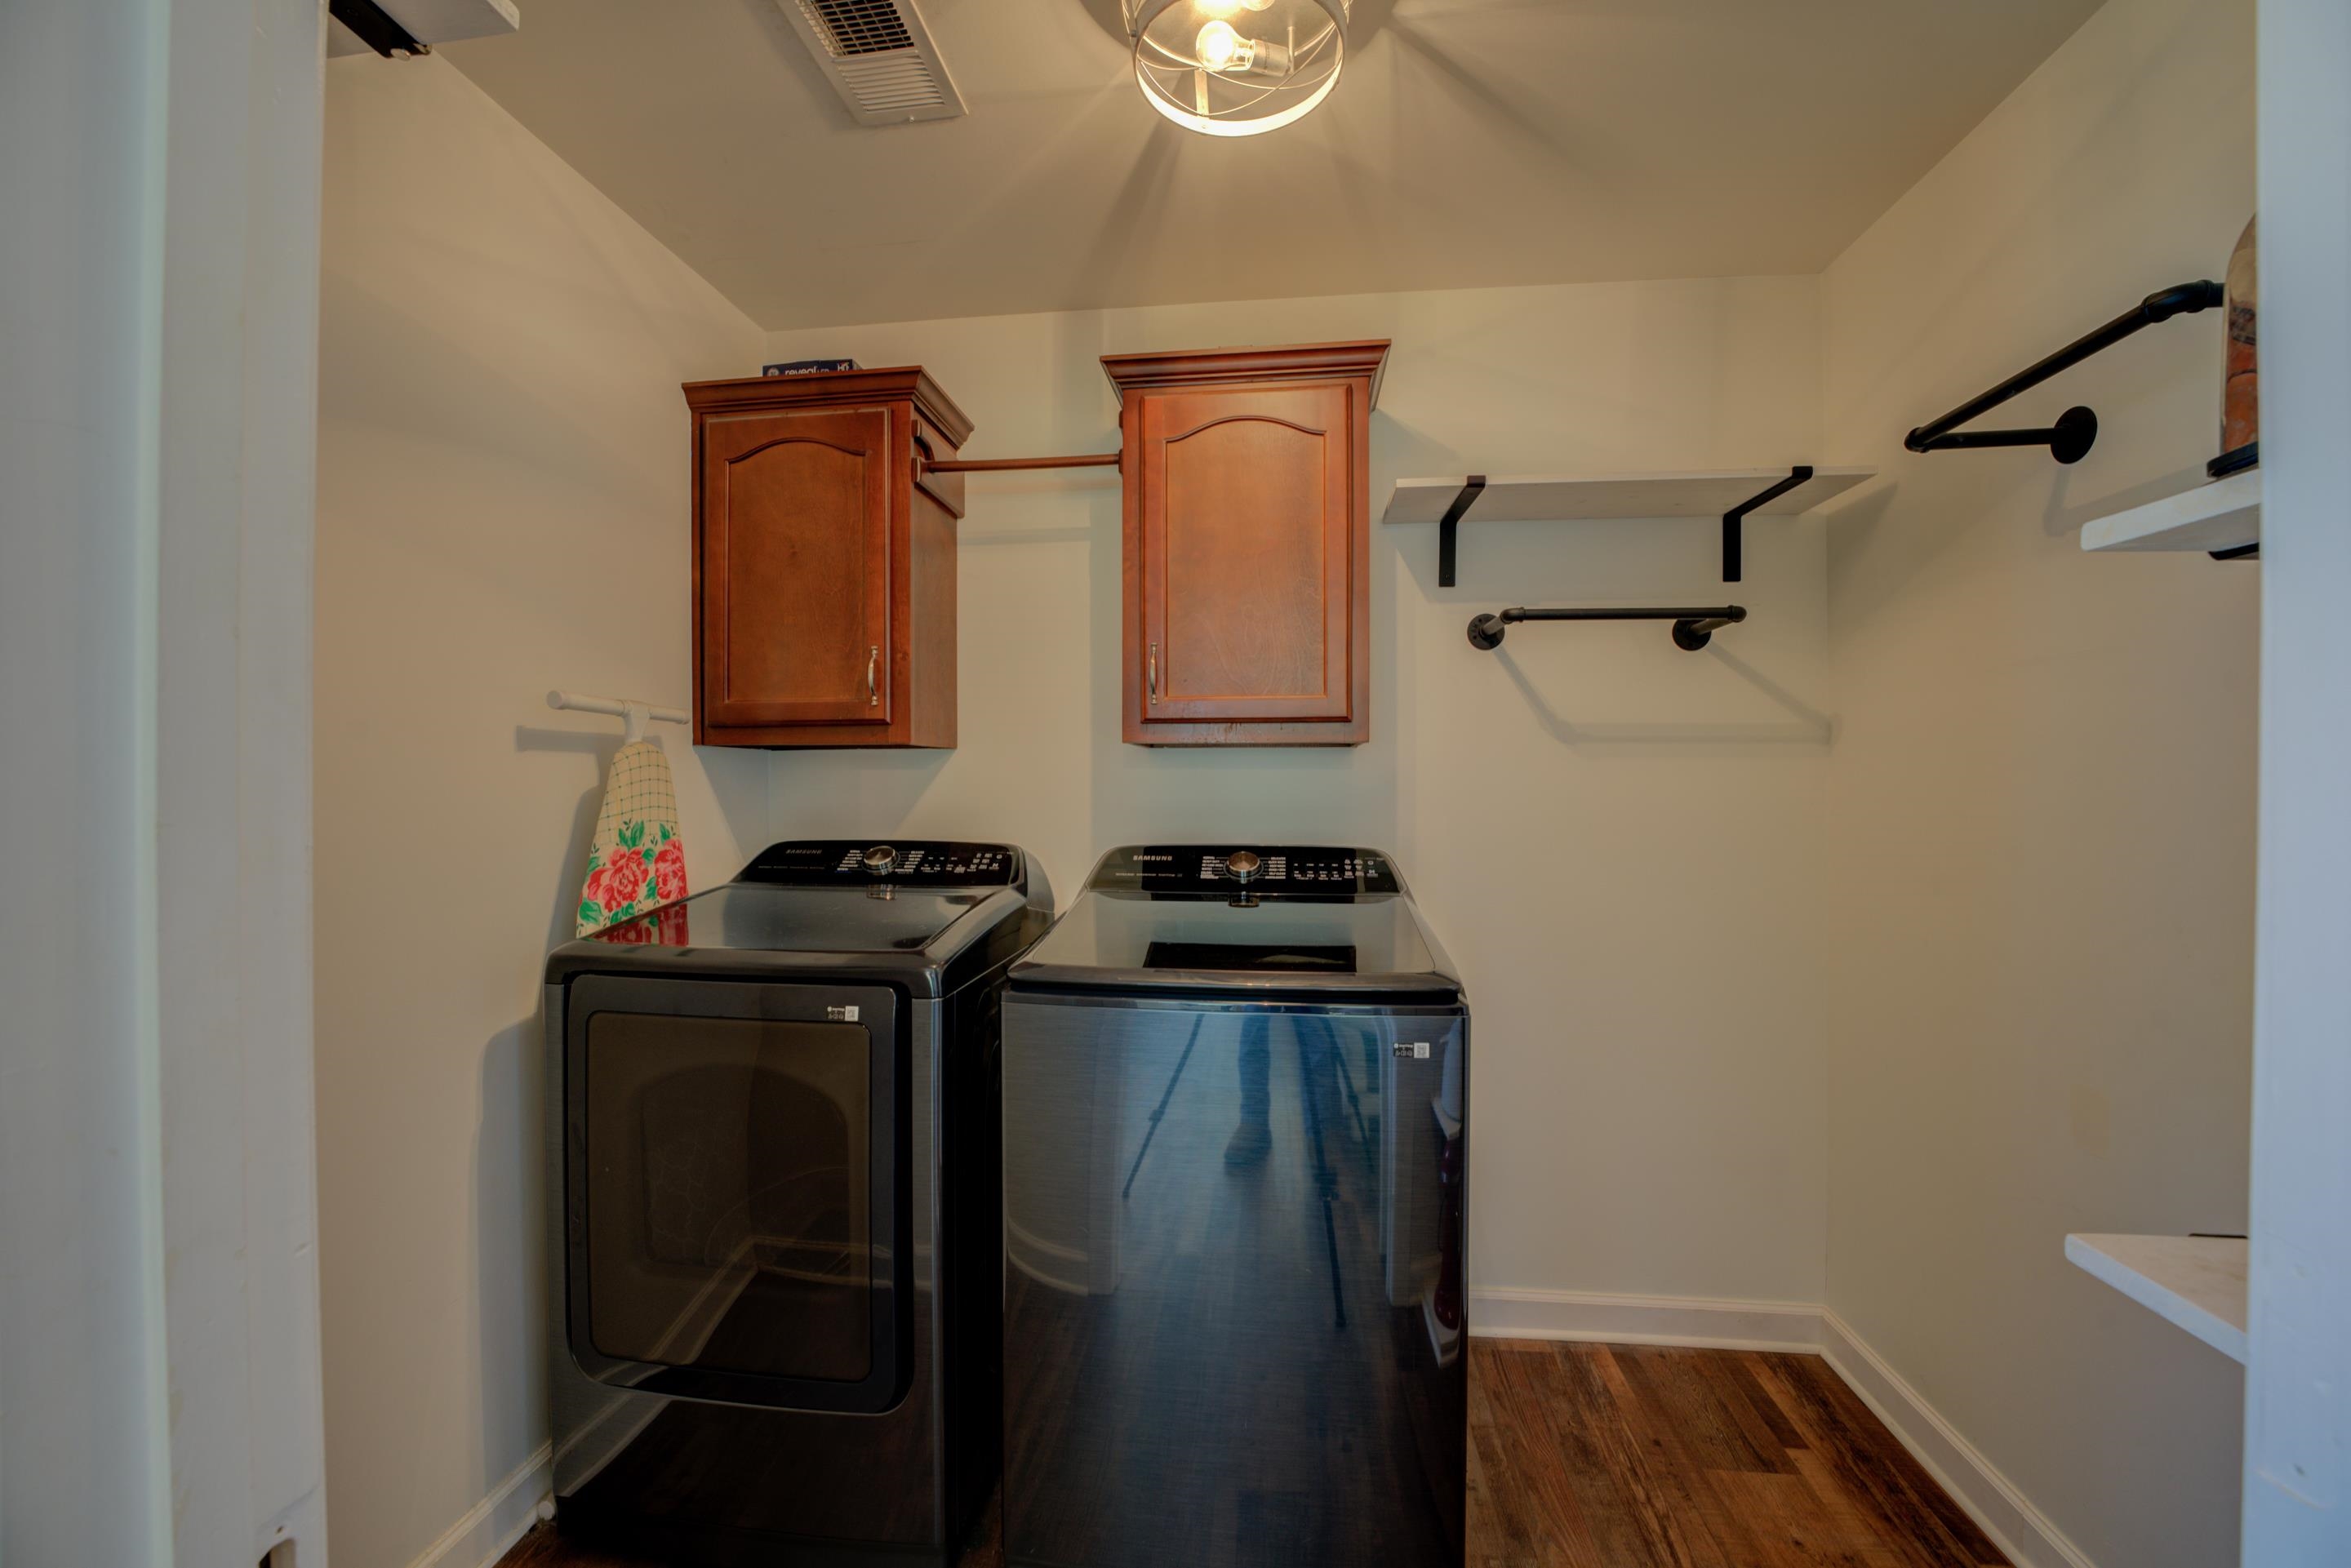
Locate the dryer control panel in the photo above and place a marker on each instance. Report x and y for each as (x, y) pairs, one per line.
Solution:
(1259, 870)
(905, 862)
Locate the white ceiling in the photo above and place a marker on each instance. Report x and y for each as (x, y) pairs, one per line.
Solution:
(1471, 142)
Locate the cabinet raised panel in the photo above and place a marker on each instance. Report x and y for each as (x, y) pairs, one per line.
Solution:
(1248, 530)
(824, 576)
(798, 533)
(1245, 554)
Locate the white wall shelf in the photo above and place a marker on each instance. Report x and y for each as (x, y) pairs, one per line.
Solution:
(2222, 516)
(1731, 493)
(429, 22)
(2197, 1282)
(1563, 498)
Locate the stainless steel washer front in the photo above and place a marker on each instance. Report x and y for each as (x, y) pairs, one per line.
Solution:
(1234, 1152)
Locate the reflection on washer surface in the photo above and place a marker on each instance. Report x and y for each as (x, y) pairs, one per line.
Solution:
(1233, 1315)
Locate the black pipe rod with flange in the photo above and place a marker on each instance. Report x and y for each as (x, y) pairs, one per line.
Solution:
(1693, 628)
(2077, 430)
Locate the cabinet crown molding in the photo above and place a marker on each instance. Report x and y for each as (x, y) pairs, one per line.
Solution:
(1241, 367)
(832, 389)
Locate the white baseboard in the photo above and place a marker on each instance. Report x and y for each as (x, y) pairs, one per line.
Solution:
(1505, 1313)
(493, 1525)
(2027, 1535)
(2030, 1537)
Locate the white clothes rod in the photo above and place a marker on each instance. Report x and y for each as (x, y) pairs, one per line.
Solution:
(634, 714)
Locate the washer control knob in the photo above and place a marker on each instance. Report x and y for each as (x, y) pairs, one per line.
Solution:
(1242, 865)
(880, 859)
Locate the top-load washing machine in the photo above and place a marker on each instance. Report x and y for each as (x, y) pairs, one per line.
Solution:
(1235, 1139)
(774, 1249)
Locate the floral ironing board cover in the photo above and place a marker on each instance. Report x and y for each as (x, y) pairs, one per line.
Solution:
(637, 860)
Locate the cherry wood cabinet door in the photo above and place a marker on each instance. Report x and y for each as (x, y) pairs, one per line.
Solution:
(796, 568)
(1244, 528)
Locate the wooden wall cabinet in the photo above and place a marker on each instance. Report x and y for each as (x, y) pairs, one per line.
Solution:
(824, 568)
(1247, 544)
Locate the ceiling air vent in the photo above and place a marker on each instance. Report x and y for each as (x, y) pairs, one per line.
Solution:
(880, 58)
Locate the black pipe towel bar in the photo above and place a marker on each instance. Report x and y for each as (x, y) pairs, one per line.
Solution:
(1693, 629)
(2077, 430)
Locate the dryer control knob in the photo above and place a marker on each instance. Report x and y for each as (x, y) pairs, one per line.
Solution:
(880, 859)
(1242, 865)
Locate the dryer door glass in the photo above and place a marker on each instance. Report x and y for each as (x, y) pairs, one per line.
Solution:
(732, 1184)
(728, 1199)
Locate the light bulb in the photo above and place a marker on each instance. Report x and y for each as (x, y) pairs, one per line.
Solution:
(1197, 63)
(1220, 49)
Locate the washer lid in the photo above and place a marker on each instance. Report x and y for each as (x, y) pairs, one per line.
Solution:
(1128, 940)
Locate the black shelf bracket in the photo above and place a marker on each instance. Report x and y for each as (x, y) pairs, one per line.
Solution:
(376, 27)
(1470, 490)
(1693, 629)
(1734, 531)
(2077, 430)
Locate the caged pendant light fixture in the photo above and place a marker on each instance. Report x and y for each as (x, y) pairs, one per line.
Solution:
(1237, 68)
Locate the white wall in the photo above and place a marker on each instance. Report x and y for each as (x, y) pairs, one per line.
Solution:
(2298, 1453)
(1617, 840)
(82, 1464)
(502, 508)
(2043, 791)
(159, 1371)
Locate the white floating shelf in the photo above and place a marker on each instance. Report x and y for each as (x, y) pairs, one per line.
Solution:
(1569, 498)
(2224, 515)
(435, 22)
(2197, 1282)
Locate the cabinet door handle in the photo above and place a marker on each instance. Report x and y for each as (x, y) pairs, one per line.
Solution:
(1153, 675)
(873, 691)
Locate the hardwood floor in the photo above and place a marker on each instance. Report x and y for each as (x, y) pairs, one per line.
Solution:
(1630, 1456)
(1587, 1456)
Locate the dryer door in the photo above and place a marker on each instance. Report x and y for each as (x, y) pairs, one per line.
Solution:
(735, 1186)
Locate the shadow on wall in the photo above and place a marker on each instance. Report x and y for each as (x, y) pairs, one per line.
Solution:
(1175, 794)
(889, 786)
(509, 1234)
(1400, 449)
(510, 1194)
(562, 923)
(1810, 726)
(2060, 520)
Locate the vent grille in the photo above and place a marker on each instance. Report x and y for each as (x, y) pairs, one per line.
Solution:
(879, 58)
(900, 85)
(858, 27)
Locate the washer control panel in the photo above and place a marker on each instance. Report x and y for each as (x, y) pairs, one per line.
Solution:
(863, 863)
(1258, 870)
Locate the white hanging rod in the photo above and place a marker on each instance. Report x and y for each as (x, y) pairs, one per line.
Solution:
(634, 714)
